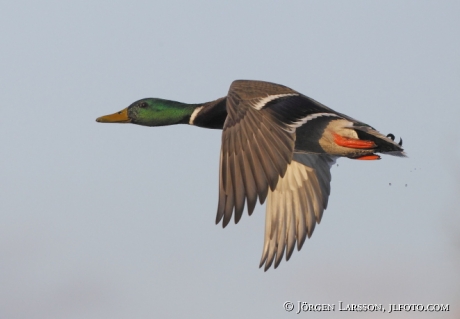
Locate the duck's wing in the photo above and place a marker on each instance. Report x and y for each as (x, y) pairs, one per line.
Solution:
(256, 147)
(296, 205)
(257, 142)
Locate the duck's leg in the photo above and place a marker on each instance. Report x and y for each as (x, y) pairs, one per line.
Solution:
(368, 157)
(356, 143)
(352, 142)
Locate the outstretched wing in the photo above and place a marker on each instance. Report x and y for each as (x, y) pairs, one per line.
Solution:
(257, 146)
(258, 142)
(296, 205)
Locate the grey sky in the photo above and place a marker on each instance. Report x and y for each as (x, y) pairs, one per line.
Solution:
(117, 221)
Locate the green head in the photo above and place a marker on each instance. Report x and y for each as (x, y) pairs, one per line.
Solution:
(152, 112)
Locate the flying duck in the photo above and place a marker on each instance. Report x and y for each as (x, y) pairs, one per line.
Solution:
(278, 145)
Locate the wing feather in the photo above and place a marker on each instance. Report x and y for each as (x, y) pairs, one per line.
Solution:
(256, 149)
(294, 206)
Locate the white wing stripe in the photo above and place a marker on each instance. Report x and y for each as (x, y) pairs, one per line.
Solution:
(304, 120)
(262, 102)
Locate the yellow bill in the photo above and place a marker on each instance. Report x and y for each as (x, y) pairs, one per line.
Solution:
(119, 117)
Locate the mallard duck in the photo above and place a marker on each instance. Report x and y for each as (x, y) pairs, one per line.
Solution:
(277, 145)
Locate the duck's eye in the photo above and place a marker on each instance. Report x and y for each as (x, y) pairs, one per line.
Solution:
(143, 104)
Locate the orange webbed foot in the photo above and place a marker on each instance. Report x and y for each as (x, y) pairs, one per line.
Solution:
(371, 157)
(352, 142)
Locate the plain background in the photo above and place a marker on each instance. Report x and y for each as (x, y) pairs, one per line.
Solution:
(117, 221)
